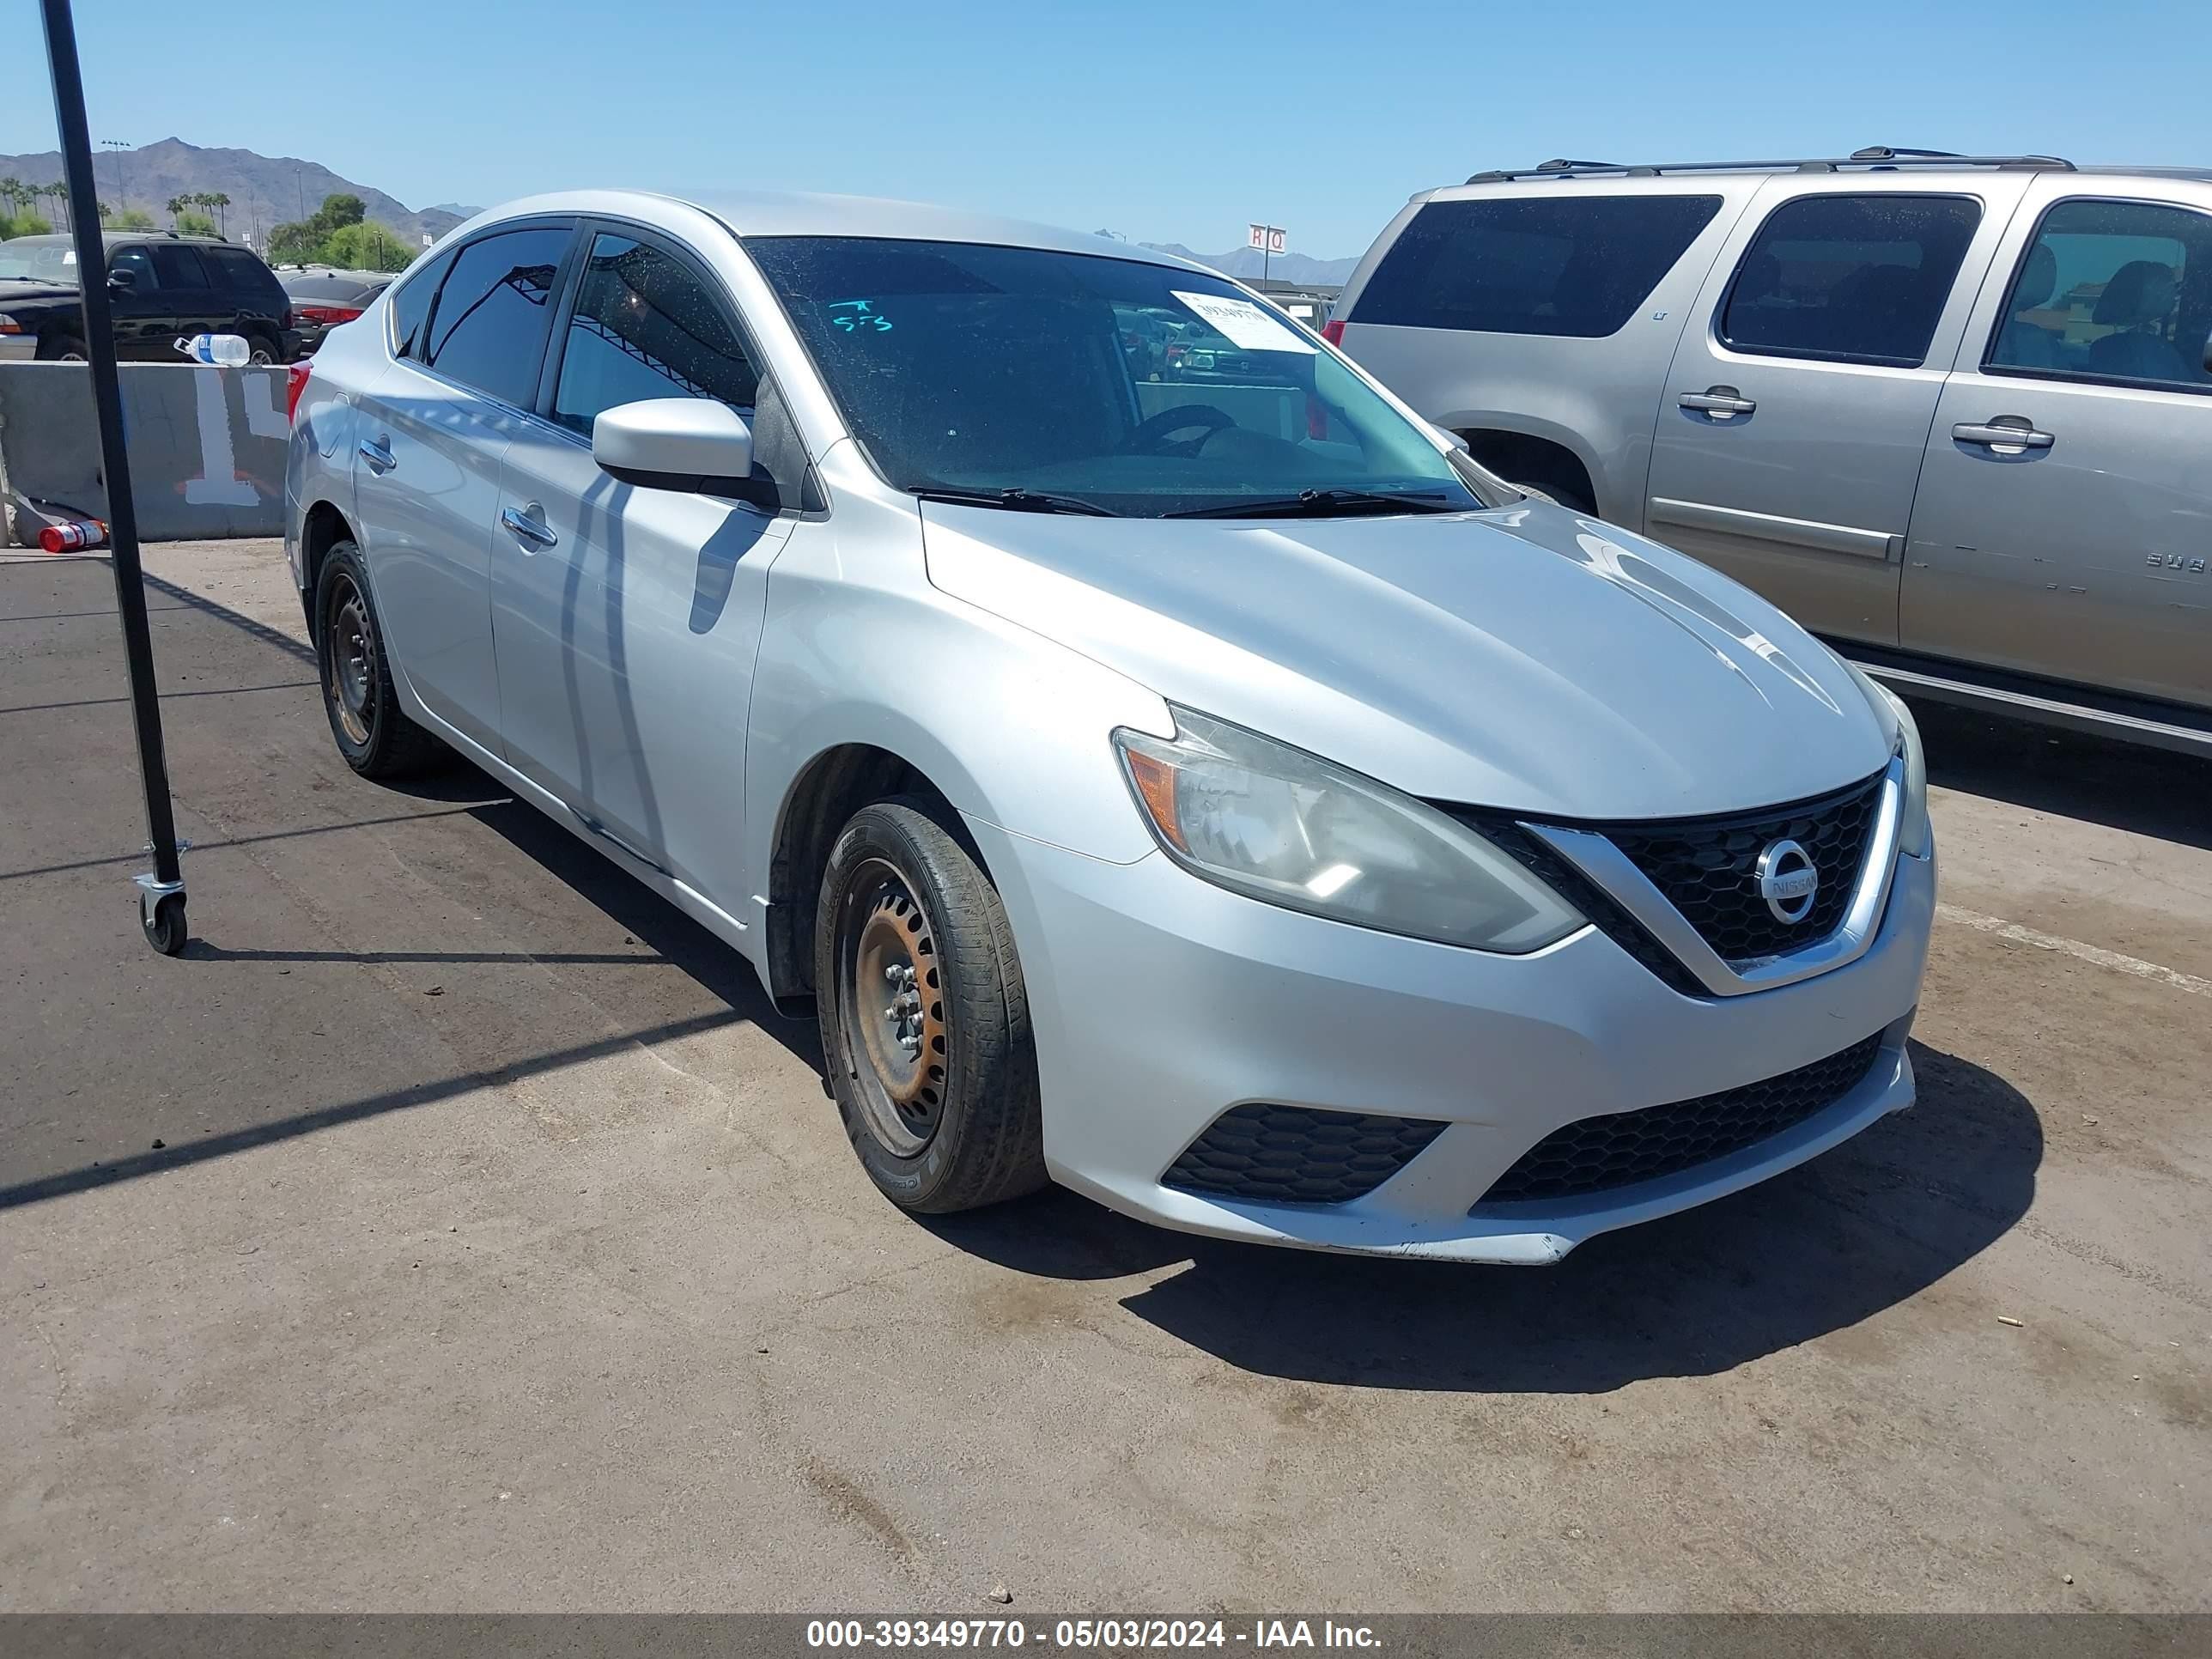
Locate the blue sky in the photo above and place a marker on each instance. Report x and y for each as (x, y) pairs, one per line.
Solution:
(1165, 122)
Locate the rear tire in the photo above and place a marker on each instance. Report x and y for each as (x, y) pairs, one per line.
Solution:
(924, 1015)
(360, 696)
(262, 352)
(62, 349)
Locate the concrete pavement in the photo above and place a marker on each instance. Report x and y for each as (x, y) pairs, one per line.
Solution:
(455, 1228)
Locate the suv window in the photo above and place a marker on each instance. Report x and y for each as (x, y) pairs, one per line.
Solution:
(236, 268)
(1857, 279)
(1577, 265)
(489, 325)
(646, 326)
(139, 262)
(2111, 291)
(180, 266)
(410, 306)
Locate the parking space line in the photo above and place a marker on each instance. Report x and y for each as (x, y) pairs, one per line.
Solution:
(2001, 928)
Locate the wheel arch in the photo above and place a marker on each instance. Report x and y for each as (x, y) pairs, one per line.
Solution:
(322, 527)
(1548, 461)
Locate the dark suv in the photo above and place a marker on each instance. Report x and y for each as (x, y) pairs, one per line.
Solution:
(160, 288)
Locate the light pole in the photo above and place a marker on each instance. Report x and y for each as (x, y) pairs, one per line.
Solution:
(302, 187)
(122, 176)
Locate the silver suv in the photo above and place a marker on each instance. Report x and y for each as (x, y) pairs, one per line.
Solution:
(1952, 413)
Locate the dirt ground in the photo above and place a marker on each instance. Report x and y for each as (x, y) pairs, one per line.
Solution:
(455, 1228)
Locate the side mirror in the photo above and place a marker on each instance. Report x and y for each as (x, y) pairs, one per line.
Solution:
(122, 282)
(692, 444)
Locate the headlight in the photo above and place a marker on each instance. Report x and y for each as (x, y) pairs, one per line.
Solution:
(1915, 835)
(1273, 821)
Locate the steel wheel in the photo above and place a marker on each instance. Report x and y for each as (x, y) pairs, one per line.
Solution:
(350, 682)
(894, 1007)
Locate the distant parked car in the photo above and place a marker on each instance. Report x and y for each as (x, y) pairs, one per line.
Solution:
(322, 299)
(1951, 412)
(160, 288)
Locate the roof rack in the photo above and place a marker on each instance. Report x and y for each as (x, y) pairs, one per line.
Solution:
(1880, 157)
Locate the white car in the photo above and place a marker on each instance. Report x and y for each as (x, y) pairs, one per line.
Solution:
(1224, 799)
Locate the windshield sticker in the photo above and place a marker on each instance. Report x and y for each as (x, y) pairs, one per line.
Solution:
(857, 317)
(1243, 323)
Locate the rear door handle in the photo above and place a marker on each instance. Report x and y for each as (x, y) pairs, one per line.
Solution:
(527, 527)
(2009, 434)
(378, 454)
(1722, 402)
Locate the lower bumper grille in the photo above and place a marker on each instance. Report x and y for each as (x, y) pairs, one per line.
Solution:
(1267, 1154)
(1621, 1149)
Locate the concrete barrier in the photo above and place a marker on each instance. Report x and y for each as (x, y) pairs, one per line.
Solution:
(207, 446)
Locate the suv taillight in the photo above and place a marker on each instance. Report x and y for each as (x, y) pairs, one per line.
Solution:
(1333, 331)
(295, 382)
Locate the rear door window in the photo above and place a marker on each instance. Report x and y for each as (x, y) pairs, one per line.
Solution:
(2117, 291)
(1574, 266)
(410, 306)
(180, 265)
(647, 325)
(488, 329)
(1854, 279)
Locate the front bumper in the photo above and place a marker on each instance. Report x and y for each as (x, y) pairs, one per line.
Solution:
(1158, 1001)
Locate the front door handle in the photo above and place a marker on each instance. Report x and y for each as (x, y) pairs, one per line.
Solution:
(1723, 402)
(530, 528)
(378, 454)
(2007, 435)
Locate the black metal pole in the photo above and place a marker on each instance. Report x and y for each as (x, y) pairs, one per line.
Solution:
(162, 895)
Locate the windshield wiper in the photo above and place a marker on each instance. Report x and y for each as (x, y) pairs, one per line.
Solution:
(1015, 501)
(1321, 503)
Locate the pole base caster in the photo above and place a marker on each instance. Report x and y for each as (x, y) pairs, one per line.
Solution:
(161, 914)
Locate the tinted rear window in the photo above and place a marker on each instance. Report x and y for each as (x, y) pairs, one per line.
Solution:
(326, 290)
(240, 268)
(1578, 266)
(1857, 279)
(488, 328)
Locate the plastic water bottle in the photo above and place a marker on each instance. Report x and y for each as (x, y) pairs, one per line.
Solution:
(71, 536)
(223, 350)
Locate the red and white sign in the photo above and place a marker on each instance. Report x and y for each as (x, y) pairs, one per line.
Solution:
(1268, 239)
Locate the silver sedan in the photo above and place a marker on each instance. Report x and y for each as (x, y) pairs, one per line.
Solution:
(1222, 797)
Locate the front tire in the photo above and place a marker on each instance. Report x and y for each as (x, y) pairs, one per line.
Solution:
(373, 732)
(924, 1015)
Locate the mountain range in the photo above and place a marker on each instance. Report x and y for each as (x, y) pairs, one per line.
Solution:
(264, 189)
(1244, 265)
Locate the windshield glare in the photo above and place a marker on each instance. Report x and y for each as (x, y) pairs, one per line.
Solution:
(1142, 389)
(39, 259)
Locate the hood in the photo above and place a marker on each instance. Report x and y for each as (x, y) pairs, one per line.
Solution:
(31, 288)
(1528, 659)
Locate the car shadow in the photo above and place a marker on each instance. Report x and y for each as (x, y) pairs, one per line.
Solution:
(2122, 786)
(1818, 1249)
(599, 883)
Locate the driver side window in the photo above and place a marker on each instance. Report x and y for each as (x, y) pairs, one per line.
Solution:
(646, 326)
(139, 263)
(2114, 291)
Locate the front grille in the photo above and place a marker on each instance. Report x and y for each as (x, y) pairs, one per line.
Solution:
(1707, 868)
(1597, 905)
(1597, 1154)
(1299, 1154)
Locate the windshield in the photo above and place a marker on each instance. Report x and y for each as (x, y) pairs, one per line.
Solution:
(39, 259)
(1136, 389)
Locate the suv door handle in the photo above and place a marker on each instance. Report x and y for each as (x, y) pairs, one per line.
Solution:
(2009, 434)
(1724, 401)
(527, 527)
(377, 452)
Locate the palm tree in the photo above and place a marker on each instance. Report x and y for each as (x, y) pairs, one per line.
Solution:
(178, 204)
(13, 195)
(60, 191)
(218, 201)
